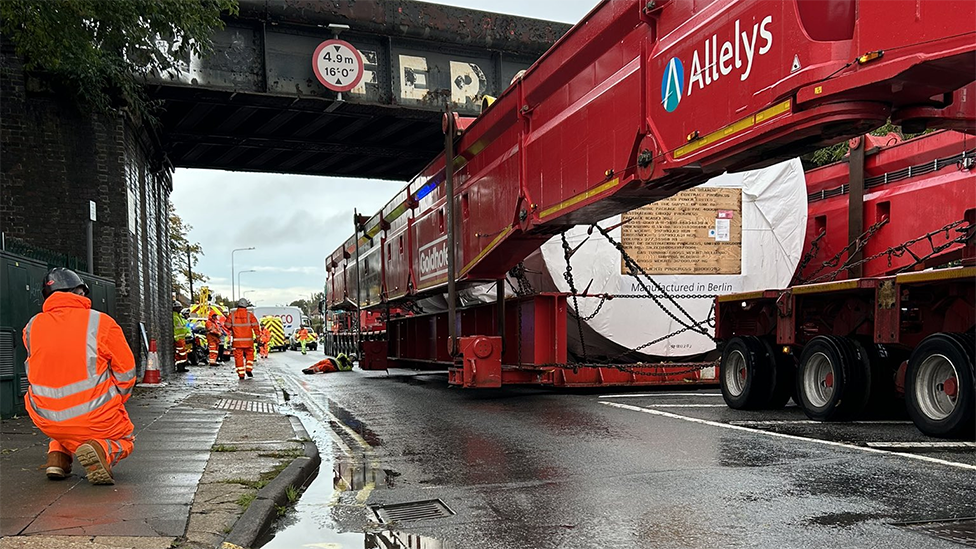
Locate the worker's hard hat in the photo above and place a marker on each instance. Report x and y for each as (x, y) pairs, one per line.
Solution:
(177, 306)
(243, 303)
(60, 279)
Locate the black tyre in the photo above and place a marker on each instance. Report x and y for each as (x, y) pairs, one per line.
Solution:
(884, 361)
(939, 386)
(747, 373)
(784, 376)
(833, 382)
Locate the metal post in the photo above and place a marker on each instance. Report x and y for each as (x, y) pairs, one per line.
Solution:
(359, 285)
(189, 273)
(449, 188)
(91, 247)
(855, 202)
(500, 308)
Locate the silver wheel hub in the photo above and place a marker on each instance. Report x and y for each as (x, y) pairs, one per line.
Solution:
(937, 387)
(735, 373)
(818, 380)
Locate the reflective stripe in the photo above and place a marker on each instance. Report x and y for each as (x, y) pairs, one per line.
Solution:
(111, 451)
(27, 339)
(74, 411)
(68, 390)
(91, 342)
(126, 376)
(124, 391)
(243, 339)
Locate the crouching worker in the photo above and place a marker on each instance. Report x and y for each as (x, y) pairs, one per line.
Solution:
(340, 363)
(81, 372)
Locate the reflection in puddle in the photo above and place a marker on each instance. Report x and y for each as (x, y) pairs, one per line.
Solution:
(401, 540)
(354, 476)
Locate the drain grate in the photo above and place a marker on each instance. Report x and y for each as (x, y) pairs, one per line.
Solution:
(414, 510)
(246, 406)
(962, 530)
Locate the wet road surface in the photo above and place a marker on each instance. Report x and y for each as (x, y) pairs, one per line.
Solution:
(534, 468)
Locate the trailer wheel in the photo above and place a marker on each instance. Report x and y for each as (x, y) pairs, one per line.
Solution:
(939, 386)
(747, 373)
(834, 379)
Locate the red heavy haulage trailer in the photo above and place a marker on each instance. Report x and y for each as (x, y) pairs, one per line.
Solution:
(637, 102)
(866, 321)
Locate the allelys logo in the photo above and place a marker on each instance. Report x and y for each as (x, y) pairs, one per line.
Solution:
(714, 61)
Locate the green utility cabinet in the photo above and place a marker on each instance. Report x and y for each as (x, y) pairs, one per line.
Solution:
(20, 299)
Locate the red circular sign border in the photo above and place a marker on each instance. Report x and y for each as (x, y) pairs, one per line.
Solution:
(315, 65)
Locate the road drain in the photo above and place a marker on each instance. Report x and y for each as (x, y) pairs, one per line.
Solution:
(246, 406)
(414, 510)
(962, 530)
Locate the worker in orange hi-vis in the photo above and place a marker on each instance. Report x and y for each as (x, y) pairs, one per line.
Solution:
(213, 338)
(263, 340)
(303, 338)
(244, 328)
(81, 372)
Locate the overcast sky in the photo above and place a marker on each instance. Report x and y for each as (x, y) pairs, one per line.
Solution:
(293, 221)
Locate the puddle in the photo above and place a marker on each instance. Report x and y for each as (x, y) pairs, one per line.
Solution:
(355, 424)
(844, 520)
(354, 476)
(314, 521)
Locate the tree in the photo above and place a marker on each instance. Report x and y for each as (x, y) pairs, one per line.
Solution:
(837, 151)
(184, 255)
(98, 51)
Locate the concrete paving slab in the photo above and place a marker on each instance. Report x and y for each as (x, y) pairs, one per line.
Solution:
(98, 542)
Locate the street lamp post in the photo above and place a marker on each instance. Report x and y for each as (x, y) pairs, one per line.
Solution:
(239, 273)
(232, 296)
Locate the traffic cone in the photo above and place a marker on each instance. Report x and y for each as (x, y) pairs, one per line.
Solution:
(152, 366)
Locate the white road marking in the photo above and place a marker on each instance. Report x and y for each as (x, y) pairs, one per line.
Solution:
(934, 444)
(687, 406)
(641, 395)
(770, 422)
(789, 437)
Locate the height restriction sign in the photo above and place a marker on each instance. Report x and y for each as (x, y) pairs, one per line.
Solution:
(338, 65)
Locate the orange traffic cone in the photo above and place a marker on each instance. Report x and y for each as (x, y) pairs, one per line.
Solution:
(152, 366)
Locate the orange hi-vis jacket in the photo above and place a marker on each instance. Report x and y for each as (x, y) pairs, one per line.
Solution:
(213, 329)
(79, 365)
(303, 335)
(243, 327)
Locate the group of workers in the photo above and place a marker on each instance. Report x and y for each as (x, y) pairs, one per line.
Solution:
(80, 373)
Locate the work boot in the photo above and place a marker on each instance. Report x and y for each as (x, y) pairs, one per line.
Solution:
(58, 465)
(240, 377)
(250, 373)
(92, 457)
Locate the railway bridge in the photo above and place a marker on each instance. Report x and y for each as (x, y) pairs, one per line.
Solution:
(253, 104)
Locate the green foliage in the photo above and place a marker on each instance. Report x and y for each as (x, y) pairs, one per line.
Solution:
(246, 500)
(292, 494)
(98, 50)
(837, 151)
(184, 255)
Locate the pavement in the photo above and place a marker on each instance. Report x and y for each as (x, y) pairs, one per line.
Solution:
(209, 449)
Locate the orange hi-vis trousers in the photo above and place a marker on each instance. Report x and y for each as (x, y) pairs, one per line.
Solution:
(181, 351)
(244, 359)
(115, 438)
(212, 343)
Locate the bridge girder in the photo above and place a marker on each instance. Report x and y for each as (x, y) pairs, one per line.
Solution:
(254, 104)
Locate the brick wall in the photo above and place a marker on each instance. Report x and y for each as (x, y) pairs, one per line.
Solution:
(54, 158)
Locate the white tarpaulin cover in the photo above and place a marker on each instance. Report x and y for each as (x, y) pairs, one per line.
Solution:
(774, 218)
